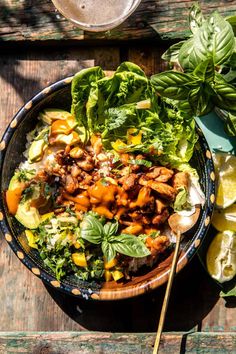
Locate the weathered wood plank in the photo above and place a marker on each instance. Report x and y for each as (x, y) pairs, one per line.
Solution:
(147, 57)
(22, 75)
(112, 343)
(160, 19)
(26, 305)
(24, 302)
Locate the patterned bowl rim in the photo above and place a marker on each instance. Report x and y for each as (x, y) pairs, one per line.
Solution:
(85, 291)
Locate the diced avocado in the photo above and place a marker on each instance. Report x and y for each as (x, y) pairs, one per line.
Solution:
(43, 134)
(51, 114)
(36, 150)
(15, 183)
(82, 134)
(19, 178)
(70, 139)
(28, 216)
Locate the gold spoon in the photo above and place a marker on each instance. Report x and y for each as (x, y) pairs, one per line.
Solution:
(179, 224)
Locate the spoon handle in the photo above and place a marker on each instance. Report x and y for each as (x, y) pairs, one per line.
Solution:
(167, 294)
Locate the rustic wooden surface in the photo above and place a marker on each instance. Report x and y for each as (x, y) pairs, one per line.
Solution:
(107, 343)
(154, 19)
(25, 303)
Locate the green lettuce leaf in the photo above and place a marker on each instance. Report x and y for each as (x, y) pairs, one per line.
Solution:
(109, 106)
(80, 91)
(181, 200)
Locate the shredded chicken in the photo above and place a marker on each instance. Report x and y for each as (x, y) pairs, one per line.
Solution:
(139, 197)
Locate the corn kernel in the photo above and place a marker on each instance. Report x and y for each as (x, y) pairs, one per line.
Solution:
(117, 275)
(110, 264)
(46, 216)
(31, 239)
(79, 259)
(77, 245)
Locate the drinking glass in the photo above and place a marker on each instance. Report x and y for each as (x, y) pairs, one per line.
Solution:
(96, 15)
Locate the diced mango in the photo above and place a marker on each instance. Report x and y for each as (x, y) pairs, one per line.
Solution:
(31, 239)
(108, 275)
(63, 126)
(134, 136)
(79, 259)
(119, 146)
(117, 275)
(46, 216)
(13, 198)
(77, 245)
(110, 264)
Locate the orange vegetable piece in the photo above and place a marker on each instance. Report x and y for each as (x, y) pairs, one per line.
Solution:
(13, 198)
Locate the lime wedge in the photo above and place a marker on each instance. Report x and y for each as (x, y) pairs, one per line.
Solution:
(221, 256)
(225, 166)
(225, 219)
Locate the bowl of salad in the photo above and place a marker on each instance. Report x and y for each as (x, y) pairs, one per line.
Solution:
(92, 167)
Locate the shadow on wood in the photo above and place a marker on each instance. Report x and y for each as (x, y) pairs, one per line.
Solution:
(187, 308)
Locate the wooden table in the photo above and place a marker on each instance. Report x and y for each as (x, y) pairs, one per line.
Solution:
(39, 47)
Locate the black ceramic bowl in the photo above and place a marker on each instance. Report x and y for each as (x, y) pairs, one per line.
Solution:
(11, 148)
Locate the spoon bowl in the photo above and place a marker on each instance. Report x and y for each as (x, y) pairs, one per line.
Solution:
(181, 223)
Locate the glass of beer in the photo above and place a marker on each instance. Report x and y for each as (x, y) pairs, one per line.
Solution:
(96, 15)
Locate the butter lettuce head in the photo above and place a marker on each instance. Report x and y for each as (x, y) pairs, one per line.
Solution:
(111, 106)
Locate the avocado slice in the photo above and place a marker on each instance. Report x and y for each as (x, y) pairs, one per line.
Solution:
(19, 182)
(28, 216)
(36, 150)
(51, 114)
(15, 183)
(72, 138)
(82, 134)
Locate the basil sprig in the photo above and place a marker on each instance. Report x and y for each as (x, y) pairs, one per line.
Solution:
(205, 68)
(92, 230)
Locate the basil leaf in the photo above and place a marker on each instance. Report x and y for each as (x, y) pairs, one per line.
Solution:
(215, 38)
(129, 245)
(196, 17)
(108, 250)
(110, 229)
(185, 107)
(172, 53)
(205, 70)
(200, 101)
(91, 229)
(173, 84)
(225, 93)
(230, 125)
(232, 22)
(232, 59)
(230, 76)
(223, 39)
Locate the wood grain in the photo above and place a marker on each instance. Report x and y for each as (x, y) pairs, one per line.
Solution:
(25, 303)
(30, 20)
(112, 343)
(23, 75)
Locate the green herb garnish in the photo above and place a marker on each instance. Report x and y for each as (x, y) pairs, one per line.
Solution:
(206, 64)
(94, 232)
